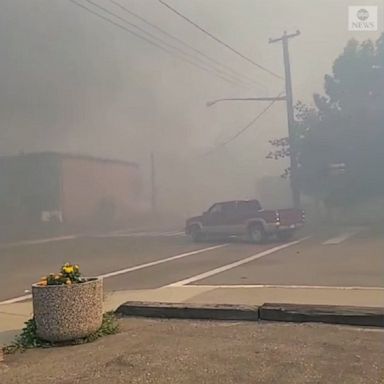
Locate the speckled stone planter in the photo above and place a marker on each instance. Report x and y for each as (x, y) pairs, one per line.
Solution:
(68, 312)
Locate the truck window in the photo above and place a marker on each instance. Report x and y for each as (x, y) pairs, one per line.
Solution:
(230, 207)
(249, 206)
(216, 208)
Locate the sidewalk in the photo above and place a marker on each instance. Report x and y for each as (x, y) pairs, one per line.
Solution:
(13, 316)
(148, 351)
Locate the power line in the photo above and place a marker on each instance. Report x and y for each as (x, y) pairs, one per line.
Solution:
(223, 75)
(241, 131)
(118, 25)
(159, 44)
(220, 41)
(149, 41)
(235, 73)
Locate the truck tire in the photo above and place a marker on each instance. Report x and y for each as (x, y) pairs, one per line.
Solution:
(256, 233)
(196, 233)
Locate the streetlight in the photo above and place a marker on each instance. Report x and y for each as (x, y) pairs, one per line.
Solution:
(279, 98)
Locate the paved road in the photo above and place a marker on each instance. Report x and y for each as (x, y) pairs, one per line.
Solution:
(355, 262)
(345, 259)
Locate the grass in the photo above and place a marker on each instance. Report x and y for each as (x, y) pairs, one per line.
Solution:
(28, 338)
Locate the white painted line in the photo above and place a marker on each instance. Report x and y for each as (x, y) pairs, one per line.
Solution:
(174, 234)
(115, 235)
(131, 269)
(152, 263)
(16, 300)
(234, 265)
(288, 287)
(341, 238)
(140, 234)
(38, 241)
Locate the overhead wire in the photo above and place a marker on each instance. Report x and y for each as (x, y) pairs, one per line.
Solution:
(168, 48)
(153, 43)
(245, 128)
(206, 32)
(238, 75)
(152, 36)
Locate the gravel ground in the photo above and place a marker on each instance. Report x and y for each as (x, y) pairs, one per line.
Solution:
(169, 351)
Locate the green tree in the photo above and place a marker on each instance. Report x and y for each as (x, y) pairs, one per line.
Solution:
(345, 126)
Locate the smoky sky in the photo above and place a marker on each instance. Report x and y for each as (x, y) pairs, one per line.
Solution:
(71, 82)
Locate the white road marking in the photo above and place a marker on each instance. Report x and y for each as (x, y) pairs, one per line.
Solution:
(140, 234)
(16, 300)
(131, 269)
(234, 265)
(290, 287)
(72, 237)
(38, 241)
(174, 234)
(344, 236)
(152, 263)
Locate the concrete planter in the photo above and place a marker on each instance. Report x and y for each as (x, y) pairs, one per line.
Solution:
(68, 312)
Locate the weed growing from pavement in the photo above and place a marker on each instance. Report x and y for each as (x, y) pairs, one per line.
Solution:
(28, 338)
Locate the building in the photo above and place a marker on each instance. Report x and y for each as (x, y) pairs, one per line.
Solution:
(73, 189)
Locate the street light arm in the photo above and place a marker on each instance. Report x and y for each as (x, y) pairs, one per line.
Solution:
(279, 98)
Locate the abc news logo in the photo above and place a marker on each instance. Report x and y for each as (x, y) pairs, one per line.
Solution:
(362, 18)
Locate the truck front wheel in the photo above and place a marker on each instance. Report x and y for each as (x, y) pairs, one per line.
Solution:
(196, 233)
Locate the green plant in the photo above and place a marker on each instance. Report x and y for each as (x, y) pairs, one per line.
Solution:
(28, 338)
(69, 274)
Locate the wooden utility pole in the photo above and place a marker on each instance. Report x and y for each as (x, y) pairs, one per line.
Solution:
(290, 116)
(153, 185)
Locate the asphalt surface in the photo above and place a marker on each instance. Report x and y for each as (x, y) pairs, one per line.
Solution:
(189, 352)
(353, 261)
(356, 262)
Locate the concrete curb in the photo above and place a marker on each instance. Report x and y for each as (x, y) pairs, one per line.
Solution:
(360, 316)
(331, 314)
(189, 311)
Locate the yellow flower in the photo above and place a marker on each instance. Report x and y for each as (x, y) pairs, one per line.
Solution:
(68, 269)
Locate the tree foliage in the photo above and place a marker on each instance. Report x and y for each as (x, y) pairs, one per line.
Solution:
(345, 126)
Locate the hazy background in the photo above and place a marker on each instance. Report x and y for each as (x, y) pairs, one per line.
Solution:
(72, 82)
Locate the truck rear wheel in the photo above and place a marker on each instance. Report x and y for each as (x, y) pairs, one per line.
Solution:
(256, 233)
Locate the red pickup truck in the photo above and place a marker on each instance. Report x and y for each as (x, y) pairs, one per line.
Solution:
(245, 218)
